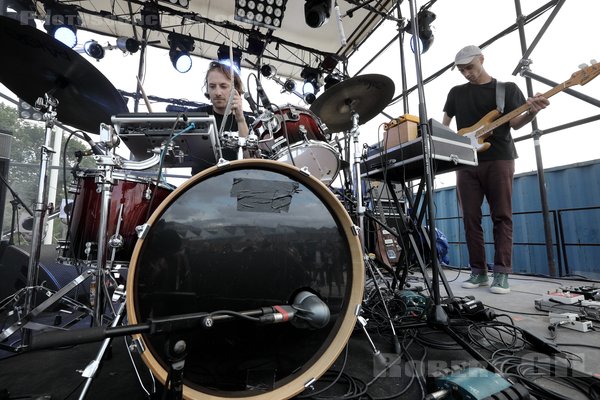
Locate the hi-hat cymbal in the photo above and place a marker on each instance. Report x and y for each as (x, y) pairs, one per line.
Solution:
(367, 95)
(35, 64)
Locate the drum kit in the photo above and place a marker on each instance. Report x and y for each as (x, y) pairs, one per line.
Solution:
(246, 234)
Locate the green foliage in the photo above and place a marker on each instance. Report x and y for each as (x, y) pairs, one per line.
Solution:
(25, 159)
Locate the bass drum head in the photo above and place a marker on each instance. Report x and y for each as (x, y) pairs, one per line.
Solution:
(250, 234)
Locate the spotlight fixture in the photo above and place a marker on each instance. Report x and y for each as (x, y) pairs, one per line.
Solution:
(331, 80)
(26, 111)
(317, 12)
(255, 45)
(223, 57)
(265, 13)
(311, 83)
(61, 23)
(128, 44)
(289, 85)
(94, 49)
(268, 71)
(179, 53)
(425, 34)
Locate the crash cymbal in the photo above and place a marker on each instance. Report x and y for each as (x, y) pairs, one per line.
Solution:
(35, 63)
(366, 95)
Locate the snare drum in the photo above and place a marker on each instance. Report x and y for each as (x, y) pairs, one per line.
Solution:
(132, 200)
(297, 136)
(243, 236)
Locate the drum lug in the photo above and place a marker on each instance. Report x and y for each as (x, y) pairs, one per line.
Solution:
(355, 230)
(304, 170)
(310, 383)
(116, 241)
(137, 345)
(142, 230)
(222, 163)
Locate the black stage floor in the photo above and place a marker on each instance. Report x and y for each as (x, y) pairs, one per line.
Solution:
(383, 369)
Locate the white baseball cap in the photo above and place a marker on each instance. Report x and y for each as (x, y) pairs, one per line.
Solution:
(466, 55)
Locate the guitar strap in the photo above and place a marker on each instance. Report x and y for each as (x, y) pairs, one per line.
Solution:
(500, 96)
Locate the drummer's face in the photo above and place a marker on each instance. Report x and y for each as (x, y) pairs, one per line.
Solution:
(219, 88)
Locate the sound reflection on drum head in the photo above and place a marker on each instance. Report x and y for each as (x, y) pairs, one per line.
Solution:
(250, 235)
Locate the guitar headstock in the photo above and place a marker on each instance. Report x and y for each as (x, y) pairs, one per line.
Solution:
(586, 74)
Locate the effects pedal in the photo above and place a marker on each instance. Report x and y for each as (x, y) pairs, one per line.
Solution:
(563, 297)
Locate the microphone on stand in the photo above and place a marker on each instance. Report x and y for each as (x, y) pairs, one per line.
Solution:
(95, 148)
(311, 311)
(338, 18)
(264, 100)
(252, 103)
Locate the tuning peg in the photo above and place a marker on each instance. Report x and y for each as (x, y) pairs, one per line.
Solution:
(583, 66)
(593, 61)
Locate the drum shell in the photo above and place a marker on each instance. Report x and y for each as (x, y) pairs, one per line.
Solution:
(129, 192)
(217, 262)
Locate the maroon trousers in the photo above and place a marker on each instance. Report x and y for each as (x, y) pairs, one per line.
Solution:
(492, 179)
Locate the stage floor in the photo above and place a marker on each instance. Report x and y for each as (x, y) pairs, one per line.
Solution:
(392, 374)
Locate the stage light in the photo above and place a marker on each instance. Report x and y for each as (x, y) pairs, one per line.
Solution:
(311, 83)
(223, 57)
(255, 45)
(425, 34)
(128, 44)
(265, 13)
(61, 23)
(289, 85)
(26, 111)
(317, 12)
(94, 49)
(268, 71)
(179, 53)
(331, 80)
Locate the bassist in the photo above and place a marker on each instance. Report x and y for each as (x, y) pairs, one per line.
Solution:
(493, 177)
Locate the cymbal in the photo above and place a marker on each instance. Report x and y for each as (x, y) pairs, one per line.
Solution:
(367, 95)
(34, 64)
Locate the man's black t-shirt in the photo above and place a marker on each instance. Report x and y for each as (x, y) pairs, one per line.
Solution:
(230, 126)
(469, 103)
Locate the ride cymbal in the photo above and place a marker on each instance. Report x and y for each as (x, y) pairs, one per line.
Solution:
(35, 64)
(367, 95)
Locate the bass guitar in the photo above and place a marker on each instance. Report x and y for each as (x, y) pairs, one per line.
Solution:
(484, 128)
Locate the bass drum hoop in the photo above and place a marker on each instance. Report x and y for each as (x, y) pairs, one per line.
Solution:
(320, 366)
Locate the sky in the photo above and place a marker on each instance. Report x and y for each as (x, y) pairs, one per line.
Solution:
(569, 41)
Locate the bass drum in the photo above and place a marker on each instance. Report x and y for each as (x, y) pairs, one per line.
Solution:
(247, 235)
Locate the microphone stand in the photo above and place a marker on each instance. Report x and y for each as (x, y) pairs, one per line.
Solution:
(17, 200)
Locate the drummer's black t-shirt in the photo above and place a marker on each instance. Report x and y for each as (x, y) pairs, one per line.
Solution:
(230, 126)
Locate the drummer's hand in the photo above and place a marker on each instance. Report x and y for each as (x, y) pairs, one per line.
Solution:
(237, 108)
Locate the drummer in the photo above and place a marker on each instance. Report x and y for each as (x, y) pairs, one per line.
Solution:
(217, 86)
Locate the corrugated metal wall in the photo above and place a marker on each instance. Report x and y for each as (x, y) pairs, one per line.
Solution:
(573, 193)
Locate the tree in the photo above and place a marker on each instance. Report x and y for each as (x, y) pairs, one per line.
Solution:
(25, 157)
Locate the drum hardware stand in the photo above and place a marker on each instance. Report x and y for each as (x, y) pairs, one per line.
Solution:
(92, 368)
(48, 105)
(14, 204)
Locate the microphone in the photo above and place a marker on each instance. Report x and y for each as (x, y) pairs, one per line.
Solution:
(338, 18)
(252, 103)
(94, 146)
(311, 311)
(264, 100)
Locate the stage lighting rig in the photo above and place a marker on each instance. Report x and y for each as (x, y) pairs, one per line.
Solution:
(26, 111)
(180, 48)
(425, 34)
(265, 13)
(61, 22)
(94, 49)
(317, 12)
(178, 3)
(126, 44)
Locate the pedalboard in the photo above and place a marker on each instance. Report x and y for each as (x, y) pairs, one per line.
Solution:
(563, 297)
(587, 309)
(589, 292)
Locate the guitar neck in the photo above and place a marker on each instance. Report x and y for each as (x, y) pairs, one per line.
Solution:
(518, 111)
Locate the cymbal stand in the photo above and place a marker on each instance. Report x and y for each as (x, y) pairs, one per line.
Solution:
(356, 179)
(47, 104)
